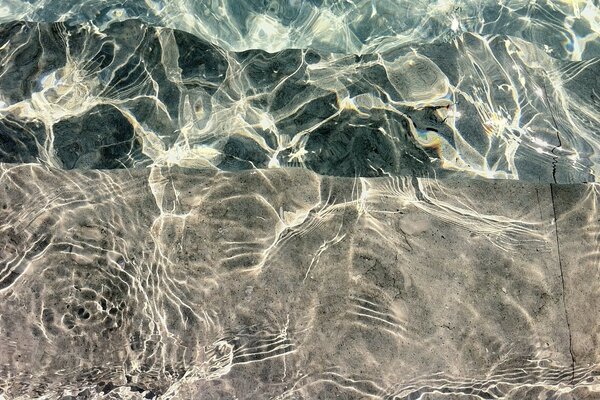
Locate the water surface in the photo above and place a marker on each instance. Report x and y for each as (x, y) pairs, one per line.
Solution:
(299, 199)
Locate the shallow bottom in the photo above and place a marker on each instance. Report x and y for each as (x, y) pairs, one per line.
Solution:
(285, 284)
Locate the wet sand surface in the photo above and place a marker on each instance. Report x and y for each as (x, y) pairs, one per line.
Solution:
(286, 284)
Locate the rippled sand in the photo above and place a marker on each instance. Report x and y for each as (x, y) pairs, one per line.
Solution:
(299, 199)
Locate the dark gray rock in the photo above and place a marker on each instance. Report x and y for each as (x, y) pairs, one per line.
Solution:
(487, 107)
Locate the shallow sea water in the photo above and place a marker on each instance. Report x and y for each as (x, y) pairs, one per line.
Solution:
(299, 199)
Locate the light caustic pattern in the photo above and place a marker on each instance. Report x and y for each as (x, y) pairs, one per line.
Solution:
(279, 284)
(568, 27)
(470, 104)
(243, 199)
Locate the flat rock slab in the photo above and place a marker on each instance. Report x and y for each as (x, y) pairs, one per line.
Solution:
(578, 227)
(286, 284)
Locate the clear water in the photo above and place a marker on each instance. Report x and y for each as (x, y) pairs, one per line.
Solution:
(485, 89)
(299, 199)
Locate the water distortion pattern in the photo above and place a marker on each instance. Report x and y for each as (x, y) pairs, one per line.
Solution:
(299, 199)
(472, 106)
